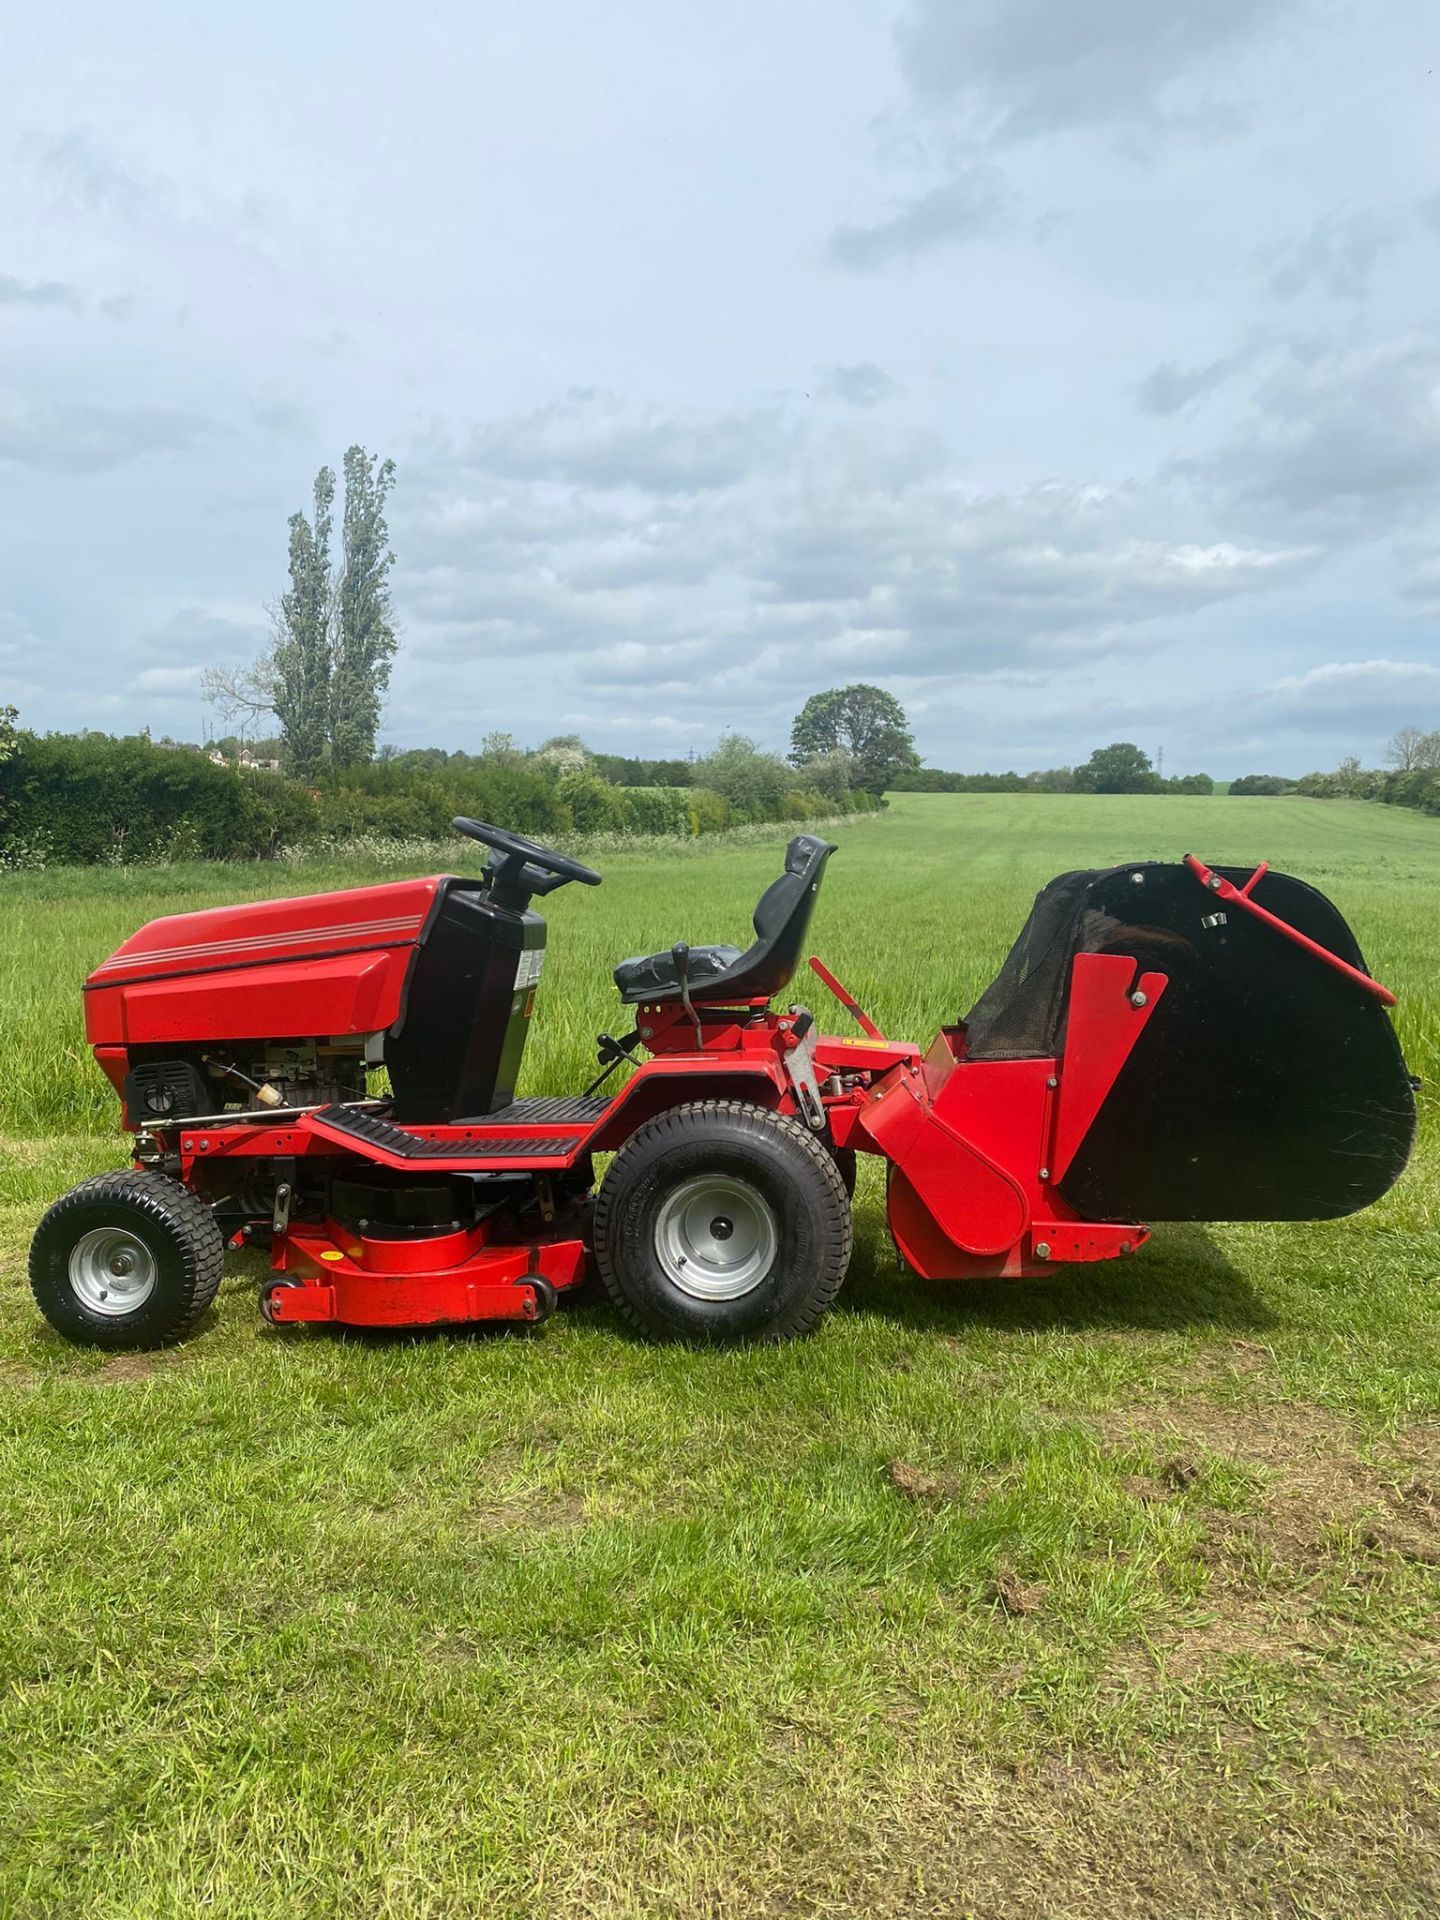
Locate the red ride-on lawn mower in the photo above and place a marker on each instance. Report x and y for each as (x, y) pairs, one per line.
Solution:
(1164, 1042)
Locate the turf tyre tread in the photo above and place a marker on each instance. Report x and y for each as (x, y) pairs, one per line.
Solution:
(190, 1251)
(737, 1125)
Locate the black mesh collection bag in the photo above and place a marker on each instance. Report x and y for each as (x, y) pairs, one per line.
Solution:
(1266, 1085)
(1021, 1014)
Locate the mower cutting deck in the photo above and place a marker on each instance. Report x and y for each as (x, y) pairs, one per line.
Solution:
(1164, 1042)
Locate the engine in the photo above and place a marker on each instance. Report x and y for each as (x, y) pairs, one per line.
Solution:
(161, 1088)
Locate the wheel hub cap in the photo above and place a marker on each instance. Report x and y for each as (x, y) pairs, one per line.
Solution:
(715, 1237)
(112, 1271)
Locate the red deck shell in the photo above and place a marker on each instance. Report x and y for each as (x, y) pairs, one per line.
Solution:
(195, 977)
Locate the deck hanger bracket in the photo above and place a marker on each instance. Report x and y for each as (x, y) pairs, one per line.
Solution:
(800, 1067)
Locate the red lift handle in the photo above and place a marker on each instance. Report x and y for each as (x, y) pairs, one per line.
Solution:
(866, 1024)
(1234, 896)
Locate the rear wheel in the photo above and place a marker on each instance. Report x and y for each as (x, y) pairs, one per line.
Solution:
(720, 1221)
(126, 1260)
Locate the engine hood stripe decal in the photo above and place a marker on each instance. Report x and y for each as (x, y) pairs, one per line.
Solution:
(409, 926)
(95, 984)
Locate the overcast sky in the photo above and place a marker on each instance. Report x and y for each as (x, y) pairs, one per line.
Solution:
(1070, 367)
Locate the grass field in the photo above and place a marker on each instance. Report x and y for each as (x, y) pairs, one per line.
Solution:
(1110, 1596)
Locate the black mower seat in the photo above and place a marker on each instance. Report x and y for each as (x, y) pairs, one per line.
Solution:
(725, 974)
(651, 976)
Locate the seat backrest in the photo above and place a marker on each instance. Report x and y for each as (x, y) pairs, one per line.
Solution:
(782, 919)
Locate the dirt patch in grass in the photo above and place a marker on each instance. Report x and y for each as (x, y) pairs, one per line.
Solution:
(1078, 1837)
(125, 1370)
(1265, 1432)
(120, 1370)
(530, 1512)
(915, 1484)
(1014, 1595)
(1071, 1834)
(1227, 1360)
(1314, 1478)
(1325, 1512)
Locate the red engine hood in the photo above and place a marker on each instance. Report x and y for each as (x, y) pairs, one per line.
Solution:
(325, 962)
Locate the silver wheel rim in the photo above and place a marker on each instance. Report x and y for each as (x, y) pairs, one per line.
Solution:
(715, 1237)
(112, 1271)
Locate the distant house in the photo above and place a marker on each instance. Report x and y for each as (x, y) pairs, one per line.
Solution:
(245, 758)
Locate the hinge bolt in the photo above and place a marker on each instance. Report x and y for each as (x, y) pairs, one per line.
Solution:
(1044, 1173)
(1042, 1252)
(1138, 999)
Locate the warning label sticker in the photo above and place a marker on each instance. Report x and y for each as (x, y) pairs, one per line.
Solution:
(527, 974)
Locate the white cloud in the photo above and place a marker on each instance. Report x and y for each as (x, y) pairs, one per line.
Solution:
(1337, 256)
(593, 439)
(207, 634)
(971, 205)
(1169, 389)
(87, 436)
(866, 547)
(1024, 67)
(862, 384)
(15, 292)
(1352, 686)
(83, 175)
(168, 679)
(1346, 440)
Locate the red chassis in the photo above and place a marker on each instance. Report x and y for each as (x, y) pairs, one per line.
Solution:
(976, 1150)
(1011, 1144)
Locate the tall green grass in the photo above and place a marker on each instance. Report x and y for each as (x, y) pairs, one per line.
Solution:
(1105, 1597)
(918, 910)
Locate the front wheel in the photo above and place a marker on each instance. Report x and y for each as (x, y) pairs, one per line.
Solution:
(720, 1221)
(126, 1260)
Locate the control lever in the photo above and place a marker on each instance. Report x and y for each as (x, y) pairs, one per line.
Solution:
(680, 960)
(610, 1052)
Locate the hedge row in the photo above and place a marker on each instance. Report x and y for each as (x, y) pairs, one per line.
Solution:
(1050, 780)
(1419, 788)
(88, 799)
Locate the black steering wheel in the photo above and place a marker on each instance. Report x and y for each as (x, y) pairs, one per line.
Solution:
(524, 867)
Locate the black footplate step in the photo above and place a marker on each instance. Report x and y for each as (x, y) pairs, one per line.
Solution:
(373, 1132)
(580, 1108)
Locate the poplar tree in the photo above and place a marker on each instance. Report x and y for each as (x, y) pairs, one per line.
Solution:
(364, 639)
(300, 671)
(327, 671)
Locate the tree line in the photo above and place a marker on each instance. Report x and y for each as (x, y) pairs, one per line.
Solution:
(1410, 776)
(1122, 767)
(89, 798)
